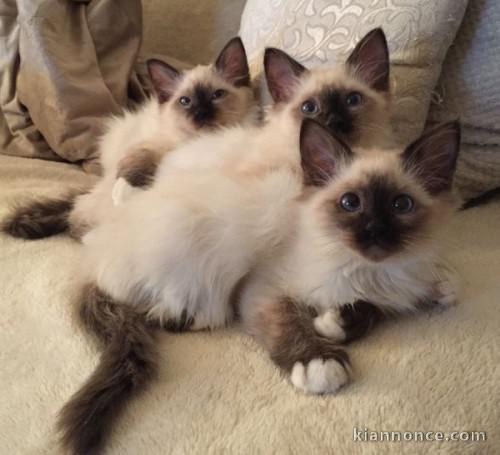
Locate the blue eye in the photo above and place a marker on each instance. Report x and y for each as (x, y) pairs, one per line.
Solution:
(185, 101)
(309, 107)
(402, 204)
(218, 94)
(354, 99)
(350, 202)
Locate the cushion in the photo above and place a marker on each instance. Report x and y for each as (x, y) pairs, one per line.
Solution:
(469, 89)
(64, 66)
(320, 32)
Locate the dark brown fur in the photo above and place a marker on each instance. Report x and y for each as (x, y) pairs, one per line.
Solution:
(358, 319)
(41, 218)
(433, 157)
(392, 233)
(345, 122)
(370, 59)
(286, 329)
(127, 364)
(181, 324)
(139, 167)
(489, 196)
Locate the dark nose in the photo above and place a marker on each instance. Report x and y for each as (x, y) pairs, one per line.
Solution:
(338, 124)
(375, 228)
(203, 114)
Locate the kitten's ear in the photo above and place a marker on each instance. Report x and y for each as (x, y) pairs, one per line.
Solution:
(163, 77)
(370, 60)
(433, 157)
(232, 63)
(282, 74)
(321, 153)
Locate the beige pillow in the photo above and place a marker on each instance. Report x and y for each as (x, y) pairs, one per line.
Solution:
(320, 32)
(469, 88)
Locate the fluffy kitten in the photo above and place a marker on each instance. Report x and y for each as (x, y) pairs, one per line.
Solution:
(367, 230)
(217, 207)
(186, 104)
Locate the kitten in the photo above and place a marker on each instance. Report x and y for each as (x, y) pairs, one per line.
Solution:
(178, 250)
(186, 104)
(367, 229)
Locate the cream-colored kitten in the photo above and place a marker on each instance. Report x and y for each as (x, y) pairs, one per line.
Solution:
(368, 229)
(205, 98)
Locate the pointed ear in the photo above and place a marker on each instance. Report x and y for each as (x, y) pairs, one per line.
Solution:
(321, 153)
(163, 77)
(433, 157)
(282, 74)
(232, 63)
(370, 60)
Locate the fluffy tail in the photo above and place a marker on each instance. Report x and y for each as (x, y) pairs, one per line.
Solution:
(40, 219)
(128, 362)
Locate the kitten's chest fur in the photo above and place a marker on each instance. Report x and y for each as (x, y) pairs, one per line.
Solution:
(331, 281)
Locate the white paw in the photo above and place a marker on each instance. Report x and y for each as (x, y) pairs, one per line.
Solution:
(446, 293)
(319, 376)
(328, 325)
(121, 191)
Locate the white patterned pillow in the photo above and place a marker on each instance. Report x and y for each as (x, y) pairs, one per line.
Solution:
(320, 32)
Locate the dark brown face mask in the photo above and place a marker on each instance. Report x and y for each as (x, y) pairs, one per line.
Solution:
(340, 109)
(379, 218)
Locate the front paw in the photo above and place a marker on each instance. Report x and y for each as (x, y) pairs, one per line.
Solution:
(446, 294)
(348, 322)
(138, 166)
(122, 191)
(329, 324)
(319, 376)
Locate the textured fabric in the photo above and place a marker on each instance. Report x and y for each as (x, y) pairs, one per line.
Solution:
(320, 32)
(65, 65)
(192, 31)
(219, 393)
(469, 88)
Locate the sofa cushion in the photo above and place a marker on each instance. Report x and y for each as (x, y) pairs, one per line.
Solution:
(320, 32)
(469, 89)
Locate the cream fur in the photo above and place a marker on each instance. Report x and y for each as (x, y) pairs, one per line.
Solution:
(317, 268)
(219, 205)
(159, 127)
(187, 244)
(319, 376)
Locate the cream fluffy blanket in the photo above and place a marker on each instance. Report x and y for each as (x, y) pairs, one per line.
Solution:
(218, 392)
